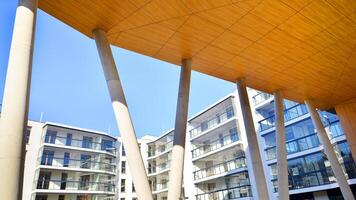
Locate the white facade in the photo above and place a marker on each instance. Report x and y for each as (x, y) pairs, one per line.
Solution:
(69, 163)
(217, 161)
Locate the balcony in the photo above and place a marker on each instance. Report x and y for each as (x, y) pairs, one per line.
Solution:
(84, 144)
(296, 145)
(211, 123)
(159, 187)
(214, 145)
(87, 186)
(289, 114)
(157, 169)
(260, 97)
(220, 168)
(160, 149)
(77, 164)
(240, 191)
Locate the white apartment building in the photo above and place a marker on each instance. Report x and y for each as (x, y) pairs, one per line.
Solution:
(69, 163)
(217, 161)
(64, 162)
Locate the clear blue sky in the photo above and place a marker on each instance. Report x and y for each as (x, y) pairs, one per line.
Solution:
(69, 87)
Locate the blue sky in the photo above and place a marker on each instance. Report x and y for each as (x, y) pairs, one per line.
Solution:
(69, 87)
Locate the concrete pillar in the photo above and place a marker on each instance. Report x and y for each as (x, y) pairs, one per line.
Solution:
(282, 163)
(180, 131)
(347, 115)
(16, 100)
(123, 118)
(330, 153)
(253, 147)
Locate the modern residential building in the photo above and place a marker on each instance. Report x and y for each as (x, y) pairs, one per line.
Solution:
(218, 163)
(310, 174)
(69, 163)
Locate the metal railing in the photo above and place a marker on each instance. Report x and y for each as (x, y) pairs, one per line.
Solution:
(220, 168)
(216, 144)
(160, 149)
(159, 186)
(289, 114)
(75, 163)
(64, 141)
(229, 193)
(159, 168)
(45, 184)
(296, 145)
(213, 122)
(260, 97)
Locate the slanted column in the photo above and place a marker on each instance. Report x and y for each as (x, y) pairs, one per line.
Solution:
(253, 147)
(180, 131)
(347, 115)
(123, 118)
(330, 153)
(282, 163)
(15, 101)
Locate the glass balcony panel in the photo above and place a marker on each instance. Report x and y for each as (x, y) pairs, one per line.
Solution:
(289, 114)
(229, 193)
(73, 163)
(74, 185)
(260, 97)
(213, 122)
(220, 168)
(216, 144)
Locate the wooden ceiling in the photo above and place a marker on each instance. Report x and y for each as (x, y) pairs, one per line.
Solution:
(306, 48)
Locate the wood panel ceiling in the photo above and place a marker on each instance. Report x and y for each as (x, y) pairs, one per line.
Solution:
(304, 47)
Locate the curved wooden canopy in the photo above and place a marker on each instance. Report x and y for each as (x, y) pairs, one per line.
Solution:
(304, 47)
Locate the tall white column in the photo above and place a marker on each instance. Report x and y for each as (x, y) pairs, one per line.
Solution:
(123, 118)
(180, 131)
(253, 147)
(16, 101)
(330, 153)
(282, 164)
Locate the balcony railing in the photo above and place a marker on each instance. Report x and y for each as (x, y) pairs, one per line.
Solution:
(289, 114)
(159, 186)
(217, 144)
(229, 193)
(260, 97)
(160, 149)
(85, 144)
(213, 122)
(296, 145)
(46, 184)
(220, 168)
(159, 168)
(77, 164)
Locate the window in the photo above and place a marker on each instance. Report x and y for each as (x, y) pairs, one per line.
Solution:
(64, 181)
(123, 167)
(50, 137)
(47, 157)
(133, 188)
(66, 159)
(85, 161)
(43, 180)
(229, 112)
(61, 197)
(123, 182)
(87, 142)
(122, 198)
(69, 139)
(41, 197)
(123, 153)
(84, 182)
(107, 145)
